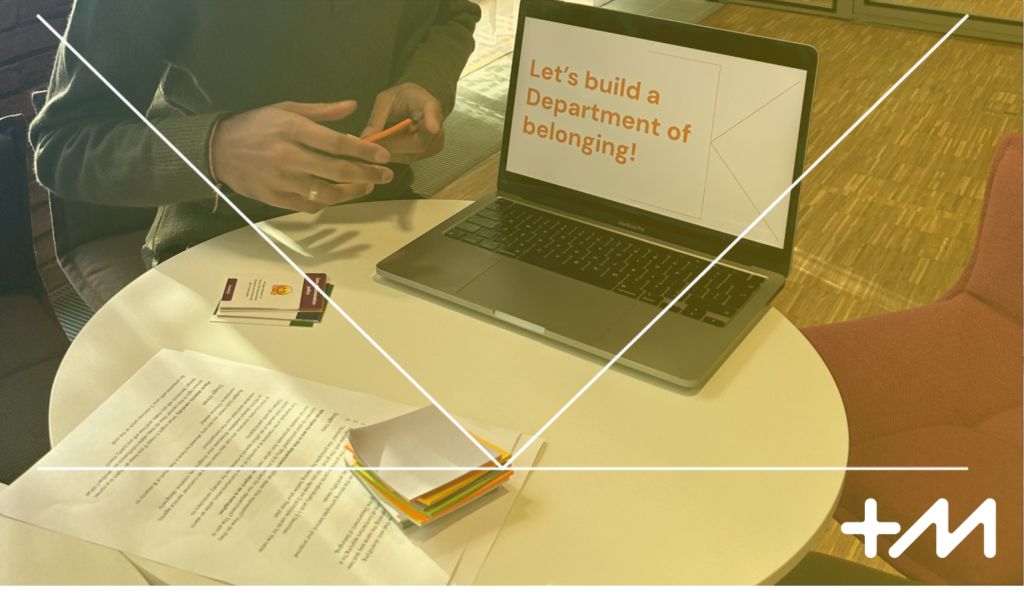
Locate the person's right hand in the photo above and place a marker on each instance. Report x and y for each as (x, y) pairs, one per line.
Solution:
(266, 154)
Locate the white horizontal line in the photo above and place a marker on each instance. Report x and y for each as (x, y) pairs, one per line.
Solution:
(523, 468)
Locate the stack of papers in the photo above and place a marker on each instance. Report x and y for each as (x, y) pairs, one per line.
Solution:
(272, 299)
(235, 472)
(457, 471)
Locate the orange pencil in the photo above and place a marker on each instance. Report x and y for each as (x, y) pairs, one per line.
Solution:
(408, 123)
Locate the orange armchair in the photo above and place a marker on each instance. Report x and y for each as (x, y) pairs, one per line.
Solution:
(941, 385)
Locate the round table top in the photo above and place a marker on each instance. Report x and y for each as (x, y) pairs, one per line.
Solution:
(773, 403)
(35, 556)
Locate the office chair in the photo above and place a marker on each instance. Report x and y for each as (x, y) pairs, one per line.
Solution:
(98, 247)
(32, 342)
(940, 385)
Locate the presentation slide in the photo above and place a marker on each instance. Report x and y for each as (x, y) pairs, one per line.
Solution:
(700, 137)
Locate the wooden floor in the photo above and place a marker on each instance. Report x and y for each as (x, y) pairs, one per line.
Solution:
(888, 220)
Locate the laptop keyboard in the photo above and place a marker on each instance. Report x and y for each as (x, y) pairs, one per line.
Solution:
(611, 261)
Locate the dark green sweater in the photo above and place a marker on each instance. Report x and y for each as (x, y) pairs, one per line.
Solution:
(187, 63)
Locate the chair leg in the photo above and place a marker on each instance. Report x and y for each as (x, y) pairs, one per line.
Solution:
(819, 569)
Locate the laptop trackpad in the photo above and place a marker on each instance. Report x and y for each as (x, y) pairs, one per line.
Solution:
(561, 305)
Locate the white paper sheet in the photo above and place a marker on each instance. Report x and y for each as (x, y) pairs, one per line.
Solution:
(246, 527)
(485, 523)
(480, 525)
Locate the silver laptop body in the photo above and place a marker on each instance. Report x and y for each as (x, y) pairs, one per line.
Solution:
(492, 257)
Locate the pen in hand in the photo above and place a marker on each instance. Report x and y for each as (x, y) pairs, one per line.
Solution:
(407, 125)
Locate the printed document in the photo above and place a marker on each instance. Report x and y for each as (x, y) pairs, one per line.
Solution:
(272, 525)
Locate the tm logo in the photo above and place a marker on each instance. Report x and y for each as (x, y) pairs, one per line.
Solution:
(938, 514)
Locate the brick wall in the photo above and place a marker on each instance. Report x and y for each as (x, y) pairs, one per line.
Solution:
(26, 58)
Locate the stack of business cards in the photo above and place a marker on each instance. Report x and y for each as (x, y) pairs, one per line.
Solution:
(272, 299)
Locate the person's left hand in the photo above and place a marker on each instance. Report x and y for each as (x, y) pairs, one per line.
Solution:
(408, 100)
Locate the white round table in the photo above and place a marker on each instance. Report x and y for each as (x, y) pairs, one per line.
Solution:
(773, 403)
(34, 556)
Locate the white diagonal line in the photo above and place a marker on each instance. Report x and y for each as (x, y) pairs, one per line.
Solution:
(265, 238)
(522, 468)
(591, 382)
(737, 240)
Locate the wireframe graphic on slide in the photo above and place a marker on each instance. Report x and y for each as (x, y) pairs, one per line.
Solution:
(704, 138)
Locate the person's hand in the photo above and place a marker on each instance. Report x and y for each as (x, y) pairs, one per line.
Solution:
(408, 100)
(267, 154)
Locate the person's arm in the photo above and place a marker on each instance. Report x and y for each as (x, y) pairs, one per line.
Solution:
(436, 62)
(426, 88)
(88, 144)
(91, 147)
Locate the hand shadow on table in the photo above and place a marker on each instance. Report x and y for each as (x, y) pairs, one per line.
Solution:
(329, 243)
(334, 245)
(399, 211)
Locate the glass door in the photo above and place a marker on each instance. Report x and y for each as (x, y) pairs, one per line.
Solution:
(999, 20)
(809, 6)
(1006, 10)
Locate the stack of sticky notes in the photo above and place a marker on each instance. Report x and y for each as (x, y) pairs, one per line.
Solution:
(459, 472)
(272, 299)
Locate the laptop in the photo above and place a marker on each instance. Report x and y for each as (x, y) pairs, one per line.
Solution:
(634, 151)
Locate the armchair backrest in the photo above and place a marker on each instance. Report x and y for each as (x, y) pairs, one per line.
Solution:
(18, 272)
(993, 273)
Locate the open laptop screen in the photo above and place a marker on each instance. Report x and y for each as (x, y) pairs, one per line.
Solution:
(700, 137)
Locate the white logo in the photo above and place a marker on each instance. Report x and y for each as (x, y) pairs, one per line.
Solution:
(938, 515)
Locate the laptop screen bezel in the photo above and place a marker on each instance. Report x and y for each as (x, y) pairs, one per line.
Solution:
(740, 45)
